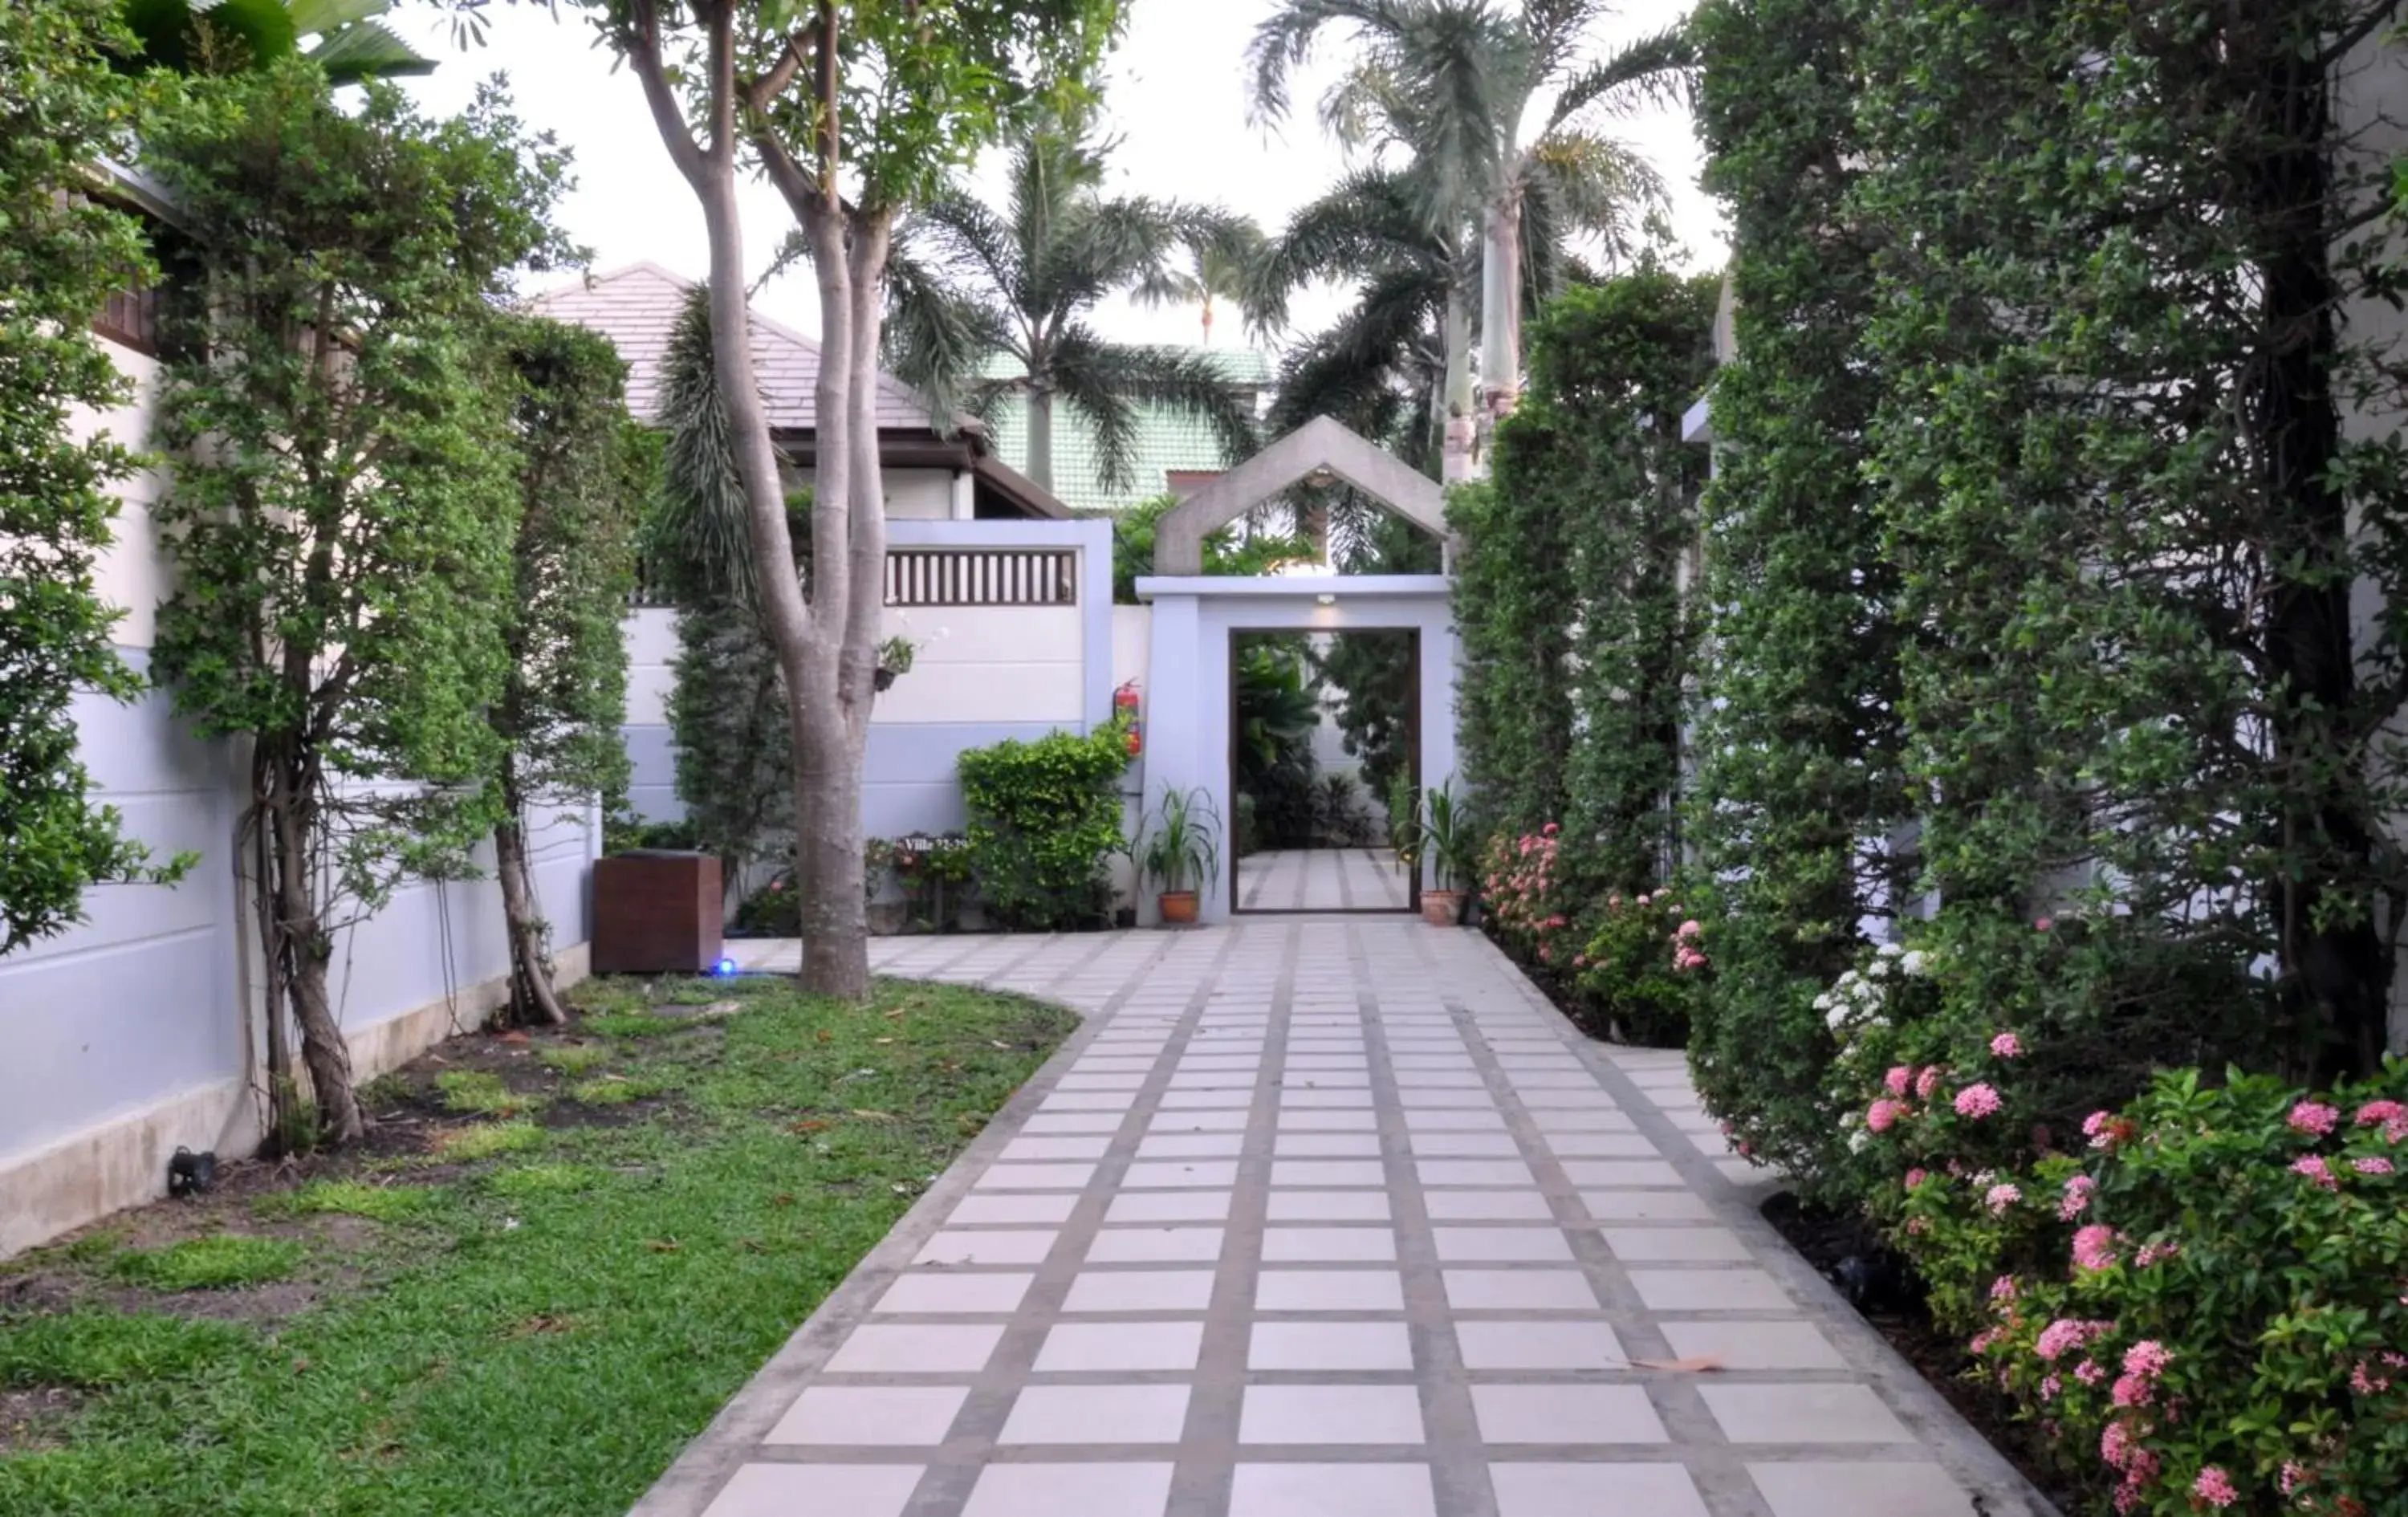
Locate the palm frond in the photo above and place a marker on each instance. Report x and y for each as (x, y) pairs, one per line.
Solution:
(937, 337)
(1182, 383)
(1659, 70)
(1582, 186)
(701, 536)
(1357, 370)
(1284, 41)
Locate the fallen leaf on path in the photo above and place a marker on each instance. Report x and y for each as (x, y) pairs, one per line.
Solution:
(874, 1116)
(813, 1124)
(1697, 1363)
(663, 1245)
(511, 1037)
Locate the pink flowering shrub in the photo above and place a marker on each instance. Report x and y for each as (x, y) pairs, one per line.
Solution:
(2209, 1311)
(1526, 903)
(1644, 963)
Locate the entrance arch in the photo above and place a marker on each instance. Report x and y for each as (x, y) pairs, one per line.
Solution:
(1195, 617)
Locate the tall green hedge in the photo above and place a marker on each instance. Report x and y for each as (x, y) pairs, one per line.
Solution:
(1044, 821)
(1568, 596)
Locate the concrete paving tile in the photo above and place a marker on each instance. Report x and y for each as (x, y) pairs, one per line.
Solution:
(1502, 1245)
(1104, 1414)
(916, 1415)
(1140, 1290)
(1330, 1414)
(1809, 1489)
(817, 1490)
(1638, 1245)
(899, 1349)
(1566, 1414)
(960, 1294)
(1328, 1205)
(987, 1246)
(1519, 1290)
(1802, 1413)
(1012, 1211)
(1487, 1205)
(1156, 1245)
(1604, 1490)
(1136, 1490)
(1102, 1346)
(1299, 1490)
(1294, 1174)
(1329, 1346)
(1710, 1290)
(1328, 1245)
(1329, 1290)
(1169, 1206)
(1541, 1343)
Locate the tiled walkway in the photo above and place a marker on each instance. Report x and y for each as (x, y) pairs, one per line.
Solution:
(1323, 879)
(1329, 1219)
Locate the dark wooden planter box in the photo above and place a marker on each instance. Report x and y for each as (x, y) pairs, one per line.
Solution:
(656, 911)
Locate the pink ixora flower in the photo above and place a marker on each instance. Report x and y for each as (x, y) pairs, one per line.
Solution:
(2215, 1487)
(1690, 928)
(2314, 1167)
(2133, 1391)
(2007, 1046)
(2148, 1358)
(2155, 1253)
(2043, 923)
(2077, 1197)
(1999, 1198)
(2089, 1372)
(2371, 1167)
(2391, 1115)
(2050, 1386)
(1927, 1081)
(1916, 1177)
(1882, 1115)
(1898, 1079)
(2065, 1335)
(1977, 1101)
(2003, 1288)
(2292, 1478)
(2094, 1247)
(2313, 1117)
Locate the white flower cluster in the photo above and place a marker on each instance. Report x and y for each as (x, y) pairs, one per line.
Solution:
(1859, 998)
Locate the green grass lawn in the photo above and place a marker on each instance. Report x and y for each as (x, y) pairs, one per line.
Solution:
(513, 1304)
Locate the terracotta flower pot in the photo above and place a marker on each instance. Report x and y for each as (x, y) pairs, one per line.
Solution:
(1178, 907)
(1442, 907)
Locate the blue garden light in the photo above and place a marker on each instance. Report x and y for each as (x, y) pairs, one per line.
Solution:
(725, 967)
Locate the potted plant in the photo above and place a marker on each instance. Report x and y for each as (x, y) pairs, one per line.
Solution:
(1181, 850)
(895, 658)
(1445, 838)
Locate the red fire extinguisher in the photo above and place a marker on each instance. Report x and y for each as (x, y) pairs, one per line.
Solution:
(1124, 709)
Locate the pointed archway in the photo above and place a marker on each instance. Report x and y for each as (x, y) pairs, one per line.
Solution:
(1321, 447)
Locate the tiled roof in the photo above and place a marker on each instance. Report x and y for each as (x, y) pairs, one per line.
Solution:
(636, 307)
(1165, 440)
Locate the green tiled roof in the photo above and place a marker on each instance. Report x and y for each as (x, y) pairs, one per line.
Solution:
(1165, 440)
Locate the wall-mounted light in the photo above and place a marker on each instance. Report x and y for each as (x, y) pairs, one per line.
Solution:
(1326, 598)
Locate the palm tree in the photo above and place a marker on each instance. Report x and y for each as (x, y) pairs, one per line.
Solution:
(1224, 269)
(1458, 86)
(967, 282)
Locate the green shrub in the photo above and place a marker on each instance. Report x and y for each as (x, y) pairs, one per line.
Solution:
(774, 910)
(1044, 821)
(219, 1262)
(1640, 975)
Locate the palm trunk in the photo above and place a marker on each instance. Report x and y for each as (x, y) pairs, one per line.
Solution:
(1456, 462)
(533, 999)
(1040, 435)
(1500, 307)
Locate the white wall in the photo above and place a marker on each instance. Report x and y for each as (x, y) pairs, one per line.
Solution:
(1187, 698)
(1017, 663)
(919, 494)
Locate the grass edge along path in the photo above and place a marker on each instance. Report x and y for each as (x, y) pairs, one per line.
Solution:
(539, 1329)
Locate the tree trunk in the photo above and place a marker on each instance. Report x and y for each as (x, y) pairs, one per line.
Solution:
(533, 999)
(1040, 435)
(1457, 461)
(286, 1116)
(1500, 307)
(2339, 969)
(303, 949)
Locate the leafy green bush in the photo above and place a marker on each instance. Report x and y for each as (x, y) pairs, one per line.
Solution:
(1642, 969)
(1044, 821)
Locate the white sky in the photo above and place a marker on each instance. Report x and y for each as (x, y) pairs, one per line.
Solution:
(1175, 97)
